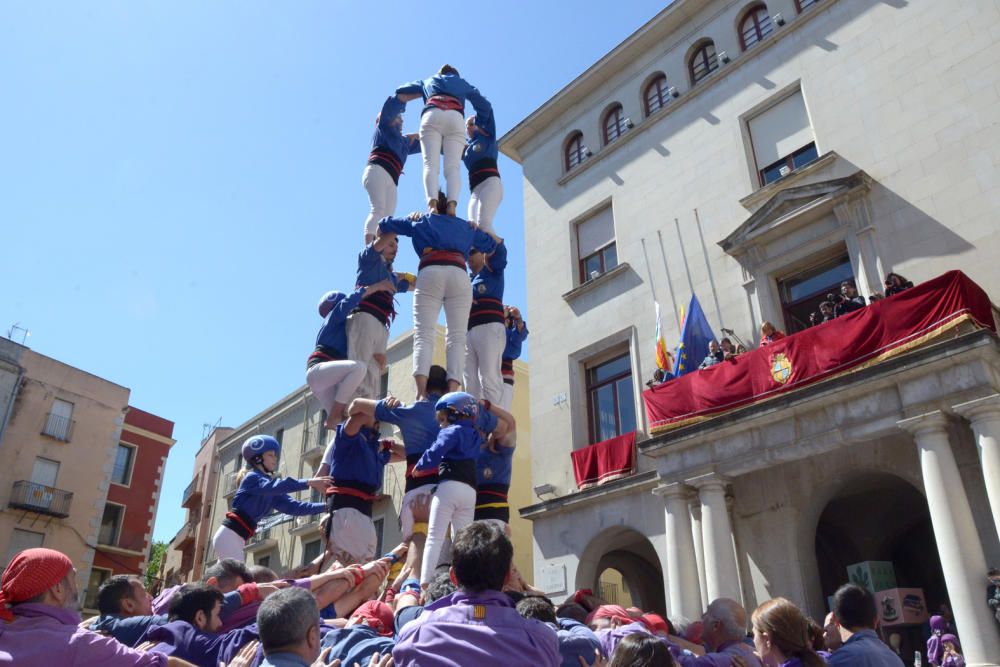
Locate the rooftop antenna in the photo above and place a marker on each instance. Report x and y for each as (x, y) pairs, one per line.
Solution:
(206, 429)
(14, 328)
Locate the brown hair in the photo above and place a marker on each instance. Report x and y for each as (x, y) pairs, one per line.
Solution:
(788, 629)
(641, 650)
(448, 69)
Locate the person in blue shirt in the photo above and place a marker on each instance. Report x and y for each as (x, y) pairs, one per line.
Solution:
(480, 160)
(330, 374)
(258, 494)
(854, 611)
(487, 336)
(442, 129)
(442, 242)
(368, 324)
(355, 461)
(390, 148)
(495, 467)
(453, 455)
(419, 428)
(516, 333)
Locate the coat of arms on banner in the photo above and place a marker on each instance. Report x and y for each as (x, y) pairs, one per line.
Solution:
(781, 368)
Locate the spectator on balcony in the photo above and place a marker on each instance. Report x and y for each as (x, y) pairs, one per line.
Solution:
(660, 376)
(40, 625)
(477, 625)
(814, 319)
(849, 300)
(728, 349)
(714, 356)
(876, 296)
(826, 310)
(895, 283)
(126, 610)
(768, 334)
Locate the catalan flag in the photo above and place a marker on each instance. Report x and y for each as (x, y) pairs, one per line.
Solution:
(664, 359)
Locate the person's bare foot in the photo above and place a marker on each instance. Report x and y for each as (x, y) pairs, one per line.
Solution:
(452, 207)
(432, 205)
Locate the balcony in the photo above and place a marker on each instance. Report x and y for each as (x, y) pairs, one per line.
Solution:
(184, 537)
(231, 485)
(261, 541)
(58, 427)
(313, 448)
(192, 494)
(40, 498)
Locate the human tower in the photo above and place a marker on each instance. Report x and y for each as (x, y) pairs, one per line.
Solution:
(458, 435)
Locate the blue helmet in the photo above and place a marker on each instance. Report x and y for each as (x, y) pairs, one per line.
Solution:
(329, 300)
(255, 446)
(458, 404)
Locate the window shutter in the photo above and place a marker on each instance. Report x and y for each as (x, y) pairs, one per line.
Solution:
(780, 131)
(596, 232)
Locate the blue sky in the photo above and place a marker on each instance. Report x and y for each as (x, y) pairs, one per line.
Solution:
(182, 180)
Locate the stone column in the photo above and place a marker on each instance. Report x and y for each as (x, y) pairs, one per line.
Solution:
(957, 540)
(721, 576)
(694, 505)
(984, 415)
(682, 569)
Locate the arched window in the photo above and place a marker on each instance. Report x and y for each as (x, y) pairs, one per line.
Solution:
(703, 61)
(655, 96)
(755, 26)
(573, 154)
(614, 124)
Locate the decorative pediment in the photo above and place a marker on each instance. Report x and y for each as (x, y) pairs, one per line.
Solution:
(788, 207)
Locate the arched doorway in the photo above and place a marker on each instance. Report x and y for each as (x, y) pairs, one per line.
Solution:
(881, 517)
(622, 564)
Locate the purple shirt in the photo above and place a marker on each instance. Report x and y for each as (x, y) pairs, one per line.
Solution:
(45, 635)
(722, 657)
(481, 629)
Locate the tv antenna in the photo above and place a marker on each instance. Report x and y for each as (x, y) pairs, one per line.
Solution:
(14, 328)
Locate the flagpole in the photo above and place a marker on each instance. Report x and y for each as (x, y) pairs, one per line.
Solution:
(680, 241)
(711, 278)
(670, 282)
(649, 271)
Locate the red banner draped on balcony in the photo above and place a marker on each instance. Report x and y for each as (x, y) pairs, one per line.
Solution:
(867, 336)
(604, 461)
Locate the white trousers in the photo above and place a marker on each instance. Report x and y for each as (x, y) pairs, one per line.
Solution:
(381, 195)
(485, 200)
(367, 336)
(454, 503)
(406, 509)
(483, 352)
(437, 286)
(227, 544)
(508, 396)
(442, 131)
(352, 536)
(335, 382)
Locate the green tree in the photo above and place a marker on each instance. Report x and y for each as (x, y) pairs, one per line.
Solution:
(155, 558)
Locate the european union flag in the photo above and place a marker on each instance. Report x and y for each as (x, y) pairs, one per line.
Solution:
(695, 337)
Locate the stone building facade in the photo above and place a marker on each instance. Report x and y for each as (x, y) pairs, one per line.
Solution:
(756, 154)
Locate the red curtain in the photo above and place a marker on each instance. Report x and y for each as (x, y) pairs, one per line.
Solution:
(604, 461)
(887, 327)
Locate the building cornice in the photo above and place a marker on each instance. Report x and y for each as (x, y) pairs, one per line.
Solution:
(128, 428)
(627, 485)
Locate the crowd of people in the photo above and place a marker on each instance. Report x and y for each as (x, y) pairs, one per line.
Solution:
(830, 308)
(476, 611)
